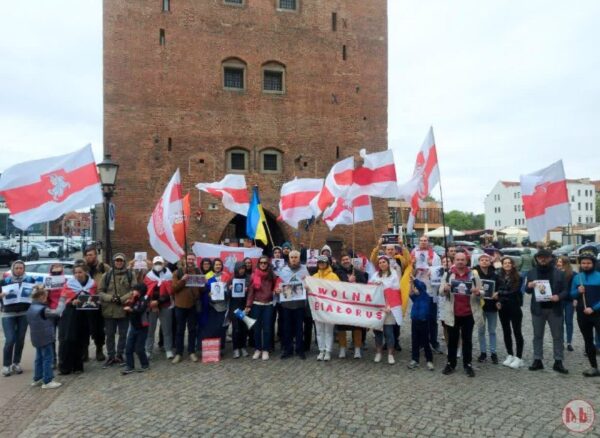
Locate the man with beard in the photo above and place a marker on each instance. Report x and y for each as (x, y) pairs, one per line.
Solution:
(550, 311)
(96, 269)
(586, 290)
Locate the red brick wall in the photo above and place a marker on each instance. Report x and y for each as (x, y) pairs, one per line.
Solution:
(153, 93)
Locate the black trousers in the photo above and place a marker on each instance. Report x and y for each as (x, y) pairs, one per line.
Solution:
(463, 328)
(511, 315)
(96, 327)
(587, 323)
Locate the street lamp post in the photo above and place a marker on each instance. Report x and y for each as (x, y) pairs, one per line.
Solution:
(108, 177)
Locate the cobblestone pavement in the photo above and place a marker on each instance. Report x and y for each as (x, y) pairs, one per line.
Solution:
(290, 398)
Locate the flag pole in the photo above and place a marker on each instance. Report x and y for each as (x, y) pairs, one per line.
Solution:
(268, 230)
(353, 233)
(312, 233)
(442, 205)
(185, 242)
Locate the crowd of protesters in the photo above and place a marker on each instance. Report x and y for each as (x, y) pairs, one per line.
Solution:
(126, 311)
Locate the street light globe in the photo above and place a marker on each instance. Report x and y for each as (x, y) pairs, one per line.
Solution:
(108, 171)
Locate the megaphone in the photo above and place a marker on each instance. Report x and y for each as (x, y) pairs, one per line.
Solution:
(241, 315)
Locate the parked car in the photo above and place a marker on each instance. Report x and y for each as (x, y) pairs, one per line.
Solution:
(46, 250)
(563, 250)
(574, 256)
(7, 256)
(515, 254)
(41, 269)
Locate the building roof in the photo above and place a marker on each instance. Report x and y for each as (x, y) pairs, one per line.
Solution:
(510, 183)
(572, 181)
(596, 185)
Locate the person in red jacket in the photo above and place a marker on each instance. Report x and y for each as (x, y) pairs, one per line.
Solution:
(260, 306)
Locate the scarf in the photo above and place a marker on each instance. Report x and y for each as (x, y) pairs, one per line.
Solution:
(74, 288)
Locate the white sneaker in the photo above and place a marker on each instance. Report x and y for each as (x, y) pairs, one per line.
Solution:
(37, 383)
(16, 368)
(265, 355)
(321, 355)
(412, 365)
(342, 354)
(327, 356)
(236, 353)
(51, 385)
(357, 353)
(256, 354)
(193, 357)
(508, 361)
(516, 363)
(377, 358)
(244, 352)
(170, 355)
(430, 366)
(176, 359)
(6, 371)
(391, 359)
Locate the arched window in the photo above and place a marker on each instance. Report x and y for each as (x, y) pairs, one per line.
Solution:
(237, 160)
(273, 77)
(271, 161)
(234, 74)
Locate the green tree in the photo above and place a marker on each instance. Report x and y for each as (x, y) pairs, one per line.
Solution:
(460, 220)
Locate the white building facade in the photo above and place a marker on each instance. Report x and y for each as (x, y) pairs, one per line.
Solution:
(504, 206)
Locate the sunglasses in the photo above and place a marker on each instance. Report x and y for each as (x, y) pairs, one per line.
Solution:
(263, 263)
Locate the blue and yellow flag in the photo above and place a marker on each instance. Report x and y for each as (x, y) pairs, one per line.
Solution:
(255, 227)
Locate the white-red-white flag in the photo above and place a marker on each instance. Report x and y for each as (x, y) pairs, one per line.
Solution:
(337, 184)
(349, 211)
(545, 200)
(296, 196)
(425, 177)
(232, 191)
(43, 190)
(167, 213)
(228, 254)
(377, 176)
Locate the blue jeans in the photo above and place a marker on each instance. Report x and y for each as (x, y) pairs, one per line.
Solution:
(136, 342)
(568, 311)
(293, 327)
(388, 331)
(263, 334)
(183, 318)
(42, 367)
(15, 328)
(490, 319)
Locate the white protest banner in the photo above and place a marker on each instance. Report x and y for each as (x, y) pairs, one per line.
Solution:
(337, 302)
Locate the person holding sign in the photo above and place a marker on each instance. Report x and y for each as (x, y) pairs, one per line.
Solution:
(218, 302)
(73, 325)
(388, 278)
(239, 331)
(324, 330)
(489, 280)
(186, 299)
(14, 316)
(461, 310)
(260, 306)
(510, 300)
(159, 282)
(586, 290)
(547, 285)
(292, 311)
(547, 288)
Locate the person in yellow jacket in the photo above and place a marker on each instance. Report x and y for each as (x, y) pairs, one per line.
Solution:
(324, 330)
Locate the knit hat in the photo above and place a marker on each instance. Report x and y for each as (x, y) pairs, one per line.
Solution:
(326, 248)
(119, 256)
(544, 252)
(287, 245)
(323, 259)
(485, 254)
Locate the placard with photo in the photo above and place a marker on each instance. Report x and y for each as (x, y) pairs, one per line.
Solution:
(357, 262)
(238, 288)
(292, 291)
(461, 287)
(542, 290)
(88, 302)
(54, 281)
(487, 288)
(277, 264)
(311, 258)
(139, 260)
(195, 280)
(17, 293)
(421, 259)
(217, 291)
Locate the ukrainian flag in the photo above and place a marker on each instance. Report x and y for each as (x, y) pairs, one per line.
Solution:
(255, 220)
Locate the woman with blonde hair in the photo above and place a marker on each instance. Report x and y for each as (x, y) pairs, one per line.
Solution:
(564, 264)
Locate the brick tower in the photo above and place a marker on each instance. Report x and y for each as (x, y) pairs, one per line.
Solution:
(274, 89)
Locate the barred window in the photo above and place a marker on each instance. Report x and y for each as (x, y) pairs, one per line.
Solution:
(237, 160)
(270, 161)
(287, 4)
(234, 77)
(273, 81)
(235, 2)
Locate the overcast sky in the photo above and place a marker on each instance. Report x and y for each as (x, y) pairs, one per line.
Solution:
(509, 86)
